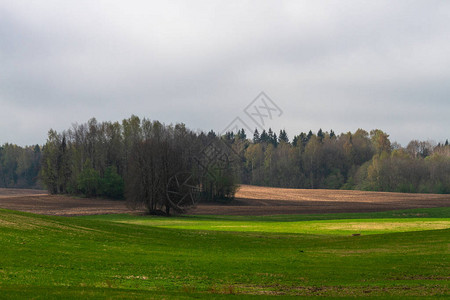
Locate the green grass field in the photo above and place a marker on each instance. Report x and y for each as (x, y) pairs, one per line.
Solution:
(398, 254)
(330, 224)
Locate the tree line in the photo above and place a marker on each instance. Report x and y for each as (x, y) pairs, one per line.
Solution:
(361, 160)
(144, 162)
(20, 166)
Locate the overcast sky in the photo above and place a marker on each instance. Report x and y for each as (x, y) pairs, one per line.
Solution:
(338, 65)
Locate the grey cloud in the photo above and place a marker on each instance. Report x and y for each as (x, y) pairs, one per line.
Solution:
(328, 64)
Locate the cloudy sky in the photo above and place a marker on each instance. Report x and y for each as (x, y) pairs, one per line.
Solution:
(338, 65)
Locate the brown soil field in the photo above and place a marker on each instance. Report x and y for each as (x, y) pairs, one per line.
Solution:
(39, 202)
(250, 200)
(256, 200)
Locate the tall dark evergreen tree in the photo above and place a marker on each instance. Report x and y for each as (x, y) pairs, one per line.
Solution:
(320, 135)
(274, 140)
(241, 134)
(332, 134)
(229, 135)
(211, 134)
(270, 135)
(283, 136)
(264, 138)
(303, 138)
(256, 138)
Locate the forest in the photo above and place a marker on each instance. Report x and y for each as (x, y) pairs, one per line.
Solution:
(139, 160)
(20, 166)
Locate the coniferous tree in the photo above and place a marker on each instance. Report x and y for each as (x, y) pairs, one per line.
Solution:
(283, 136)
(303, 138)
(320, 135)
(256, 138)
(310, 134)
(264, 138)
(242, 135)
(332, 134)
(274, 140)
(270, 135)
(229, 135)
(211, 134)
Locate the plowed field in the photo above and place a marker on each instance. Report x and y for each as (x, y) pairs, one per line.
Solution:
(250, 200)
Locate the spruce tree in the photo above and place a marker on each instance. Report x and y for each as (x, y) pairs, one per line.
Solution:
(270, 133)
(283, 136)
(295, 141)
(211, 134)
(242, 135)
(264, 138)
(303, 138)
(308, 137)
(332, 134)
(256, 138)
(320, 134)
(274, 140)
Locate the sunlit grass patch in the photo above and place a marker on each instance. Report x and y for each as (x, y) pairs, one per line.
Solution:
(334, 226)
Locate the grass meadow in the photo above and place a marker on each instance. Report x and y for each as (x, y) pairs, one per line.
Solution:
(396, 254)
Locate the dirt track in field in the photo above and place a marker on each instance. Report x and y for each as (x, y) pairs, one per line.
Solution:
(250, 200)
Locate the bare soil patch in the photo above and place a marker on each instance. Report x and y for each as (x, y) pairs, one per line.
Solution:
(255, 200)
(8, 193)
(40, 202)
(250, 200)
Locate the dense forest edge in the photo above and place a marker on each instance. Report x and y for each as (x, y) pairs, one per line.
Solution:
(140, 160)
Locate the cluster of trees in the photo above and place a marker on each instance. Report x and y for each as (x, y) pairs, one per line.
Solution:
(162, 167)
(140, 160)
(405, 170)
(359, 160)
(19, 166)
